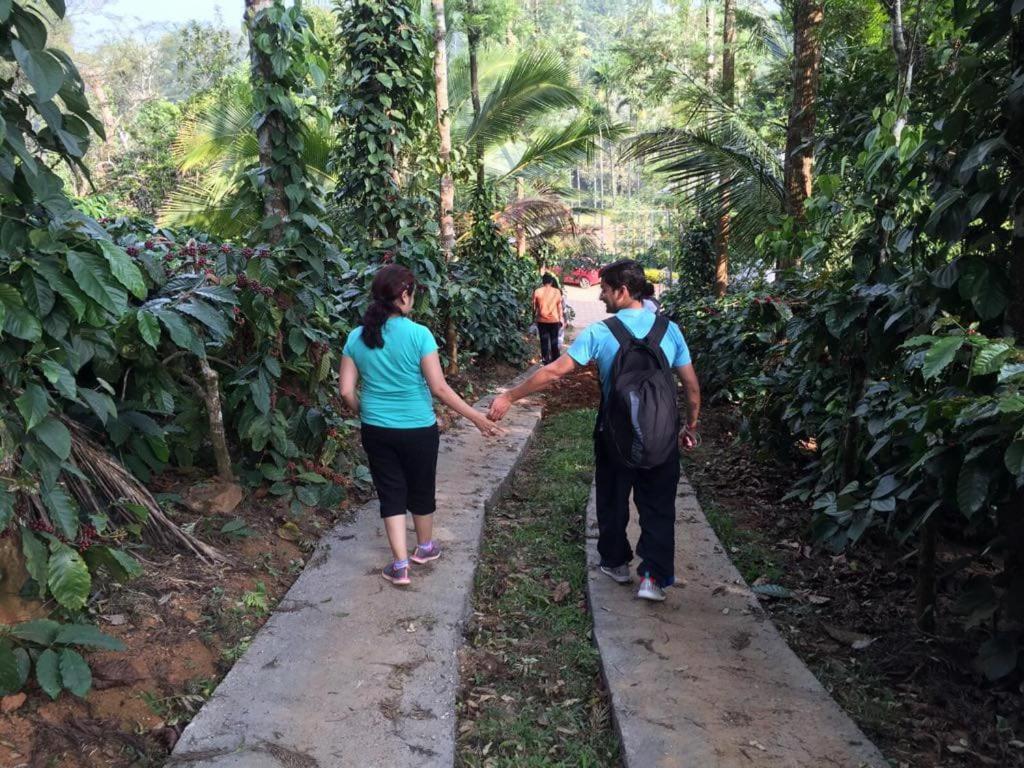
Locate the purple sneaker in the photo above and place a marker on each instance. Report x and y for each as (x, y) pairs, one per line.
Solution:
(397, 576)
(423, 555)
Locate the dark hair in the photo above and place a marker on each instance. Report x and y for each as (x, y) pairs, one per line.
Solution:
(388, 286)
(648, 292)
(549, 279)
(625, 272)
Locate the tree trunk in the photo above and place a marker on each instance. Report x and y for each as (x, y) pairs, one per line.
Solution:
(1015, 138)
(215, 418)
(444, 132)
(729, 52)
(473, 37)
(260, 71)
(799, 158)
(924, 586)
(904, 63)
(709, 50)
(600, 181)
(1011, 516)
(729, 96)
(520, 229)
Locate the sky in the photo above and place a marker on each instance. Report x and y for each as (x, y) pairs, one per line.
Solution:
(95, 20)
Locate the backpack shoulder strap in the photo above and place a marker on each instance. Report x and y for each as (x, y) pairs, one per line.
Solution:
(658, 331)
(619, 331)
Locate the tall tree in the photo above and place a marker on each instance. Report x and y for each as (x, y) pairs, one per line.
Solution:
(444, 133)
(444, 130)
(473, 35)
(729, 97)
(261, 69)
(808, 16)
(903, 42)
(1014, 110)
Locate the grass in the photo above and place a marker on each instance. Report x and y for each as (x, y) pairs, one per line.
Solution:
(746, 548)
(532, 694)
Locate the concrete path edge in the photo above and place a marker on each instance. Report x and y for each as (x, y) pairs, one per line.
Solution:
(705, 680)
(349, 670)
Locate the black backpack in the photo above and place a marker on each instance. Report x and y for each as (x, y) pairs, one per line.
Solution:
(640, 416)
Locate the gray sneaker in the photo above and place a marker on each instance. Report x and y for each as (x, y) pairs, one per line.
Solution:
(619, 574)
(423, 555)
(650, 590)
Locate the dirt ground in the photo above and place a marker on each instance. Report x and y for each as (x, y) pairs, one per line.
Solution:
(184, 625)
(851, 617)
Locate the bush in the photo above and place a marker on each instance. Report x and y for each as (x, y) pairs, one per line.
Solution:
(934, 434)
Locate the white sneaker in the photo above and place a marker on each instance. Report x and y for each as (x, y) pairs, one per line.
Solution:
(649, 590)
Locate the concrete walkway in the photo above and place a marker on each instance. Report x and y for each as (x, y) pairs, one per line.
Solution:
(704, 680)
(349, 670)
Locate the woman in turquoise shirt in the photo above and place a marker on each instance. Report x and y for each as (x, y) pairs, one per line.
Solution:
(398, 363)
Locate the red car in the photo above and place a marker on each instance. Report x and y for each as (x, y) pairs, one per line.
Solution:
(584, 277)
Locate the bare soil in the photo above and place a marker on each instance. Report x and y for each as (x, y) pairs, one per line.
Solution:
(184, 625)
(851, 617)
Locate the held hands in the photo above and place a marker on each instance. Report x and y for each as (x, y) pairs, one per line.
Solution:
(499, 407)
(487, 427)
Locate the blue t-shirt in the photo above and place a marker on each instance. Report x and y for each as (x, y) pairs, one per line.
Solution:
(393, 391)
(597, 342)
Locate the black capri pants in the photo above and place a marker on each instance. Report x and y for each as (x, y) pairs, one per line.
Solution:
(403, 463)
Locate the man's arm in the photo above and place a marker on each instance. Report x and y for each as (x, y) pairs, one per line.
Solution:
(691, 386)
(547, 375)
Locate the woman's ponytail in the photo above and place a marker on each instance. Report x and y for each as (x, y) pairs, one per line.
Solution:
(387, 289)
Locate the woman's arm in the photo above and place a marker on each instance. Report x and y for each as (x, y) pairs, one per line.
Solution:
(348, 376)
(430, 365)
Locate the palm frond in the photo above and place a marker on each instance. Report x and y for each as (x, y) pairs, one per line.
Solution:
(492, 62)
(222, 131)
(722, 171)
(687, 158)
(768, 35)
(558, 148)
(225, 205)
(537, 83)
(536, 215)
(216, 150)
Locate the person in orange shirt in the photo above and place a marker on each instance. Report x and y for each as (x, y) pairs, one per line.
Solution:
(547, 310)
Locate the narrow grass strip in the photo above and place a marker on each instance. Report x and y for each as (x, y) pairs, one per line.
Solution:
(532, 693)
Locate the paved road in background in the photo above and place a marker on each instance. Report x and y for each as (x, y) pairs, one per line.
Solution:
(588, 308)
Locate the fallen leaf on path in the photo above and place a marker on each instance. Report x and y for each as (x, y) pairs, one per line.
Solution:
(289, 532)
(775, 591)
(855, 640)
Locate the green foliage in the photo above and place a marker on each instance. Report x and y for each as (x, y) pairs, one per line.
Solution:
(693, 257)
(281, 37)
(49, 648)
(386, 114)
(143, 177)
(491, 287)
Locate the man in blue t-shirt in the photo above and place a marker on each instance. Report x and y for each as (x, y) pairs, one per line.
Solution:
(654, 489)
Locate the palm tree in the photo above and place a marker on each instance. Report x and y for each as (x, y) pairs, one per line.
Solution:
(808, 16)
(274, 201)
(217, 149)
(531, 95)
(530, 126)
(728, 147)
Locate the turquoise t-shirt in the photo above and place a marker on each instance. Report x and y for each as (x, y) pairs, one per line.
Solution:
(393, 391)
(597, 342)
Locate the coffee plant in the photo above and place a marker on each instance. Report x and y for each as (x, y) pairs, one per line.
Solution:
(892, 353)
